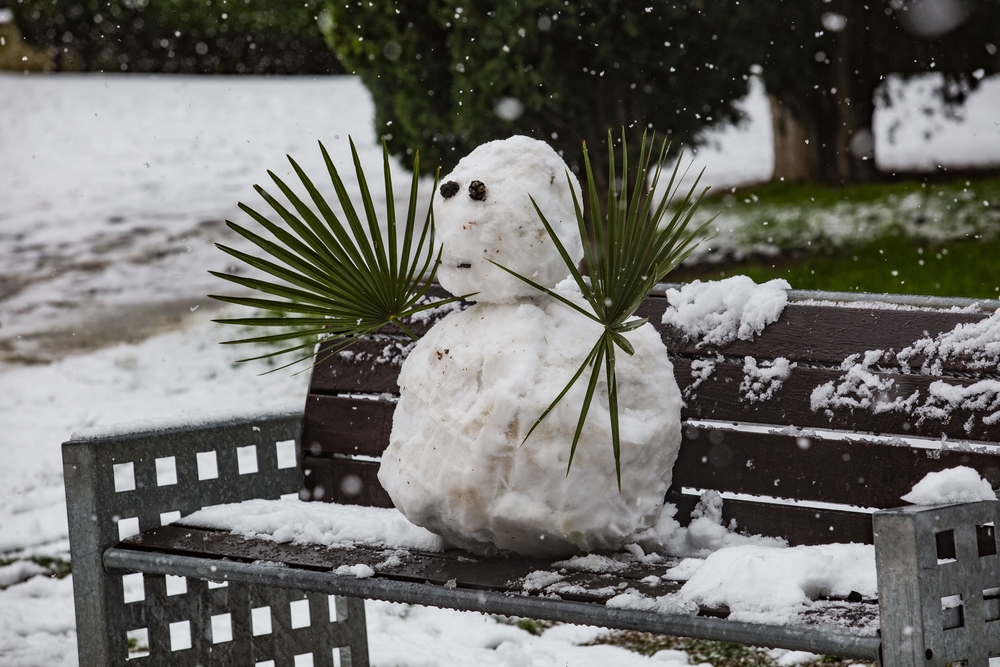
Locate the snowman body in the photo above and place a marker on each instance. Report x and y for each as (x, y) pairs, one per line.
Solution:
(457, 461)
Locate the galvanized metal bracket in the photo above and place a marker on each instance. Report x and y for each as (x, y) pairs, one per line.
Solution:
(938, 584)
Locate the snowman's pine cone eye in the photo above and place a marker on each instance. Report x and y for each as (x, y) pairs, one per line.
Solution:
(449, 189)
(477, 190)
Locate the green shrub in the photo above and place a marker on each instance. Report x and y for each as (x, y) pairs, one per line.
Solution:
(448, 75)
(190, 36)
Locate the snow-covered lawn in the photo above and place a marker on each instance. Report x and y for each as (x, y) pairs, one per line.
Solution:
(113, 191)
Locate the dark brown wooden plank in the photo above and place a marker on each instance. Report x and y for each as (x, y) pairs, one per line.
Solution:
(343, 481)
(797, 525)
(825, 334)
(864, 474)
(468, 570)
(868, 474)
(458, 568)
(344, 425)
(818, 334)
(369, 366)
(720, 398)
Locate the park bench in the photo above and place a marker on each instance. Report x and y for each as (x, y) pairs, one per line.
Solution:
(811, 476)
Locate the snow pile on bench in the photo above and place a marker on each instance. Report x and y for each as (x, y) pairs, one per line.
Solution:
(332, 525)
(954, 485)
(721, 311)
(976, 343)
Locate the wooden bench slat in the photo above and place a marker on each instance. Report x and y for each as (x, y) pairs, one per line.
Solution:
(825, 334)
(863, 474)
(344, 481)
(369, 366)
(720, 398)
(798, 525)
(461, 569)
(345, 425)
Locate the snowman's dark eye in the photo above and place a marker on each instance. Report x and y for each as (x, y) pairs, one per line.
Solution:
(477, 190)
(449, 189)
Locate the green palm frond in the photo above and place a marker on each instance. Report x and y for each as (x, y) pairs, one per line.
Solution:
(632, 249)
(340, 280)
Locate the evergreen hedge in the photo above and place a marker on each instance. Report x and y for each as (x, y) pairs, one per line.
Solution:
(190, 36)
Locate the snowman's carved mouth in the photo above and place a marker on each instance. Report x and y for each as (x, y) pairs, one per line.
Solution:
(464, 265)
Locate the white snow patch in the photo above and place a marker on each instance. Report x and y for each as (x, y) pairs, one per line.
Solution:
(769, 585)
(592, 563)
(540, 579)
(977, 344)
(860, 387)
(961, 484)
(361, 571)
(684, 570)
(701, 370)
(786, 658)
(944, 398)
(329, 524)
(193, 419)
(702, 536)
(38, 624)
(719, 312)
(19, 571)
(761, 382)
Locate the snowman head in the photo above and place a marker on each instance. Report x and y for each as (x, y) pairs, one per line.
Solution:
(482, 212)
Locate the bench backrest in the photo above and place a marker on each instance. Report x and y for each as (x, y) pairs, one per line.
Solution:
(792, 465)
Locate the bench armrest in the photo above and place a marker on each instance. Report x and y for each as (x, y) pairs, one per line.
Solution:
(119, 484)
(938, 575)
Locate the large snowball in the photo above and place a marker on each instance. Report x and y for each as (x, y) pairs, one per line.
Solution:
(498, 222)
(471, 389)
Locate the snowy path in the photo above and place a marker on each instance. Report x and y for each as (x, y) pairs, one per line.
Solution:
(106, 231)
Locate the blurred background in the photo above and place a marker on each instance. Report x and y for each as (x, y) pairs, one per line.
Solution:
(851, 145)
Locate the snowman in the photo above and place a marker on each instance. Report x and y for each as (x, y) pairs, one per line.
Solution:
(457, 462)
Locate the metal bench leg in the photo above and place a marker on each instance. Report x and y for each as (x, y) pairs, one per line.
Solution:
(938, 584)
(119, 485)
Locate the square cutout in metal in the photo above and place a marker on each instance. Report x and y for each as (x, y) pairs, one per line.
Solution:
(208, 465)
(991, 604)
(167, 518)
(166, 471)
(260, 621)
(128, 527)
(176, 585)
(286, 454)
(222, 628)
(180, 635)
(138, 643)
(986, 540)
(124, 477)
(945, 546)
(952, 612)
(246, 459)
(133, 587)
(300, 615)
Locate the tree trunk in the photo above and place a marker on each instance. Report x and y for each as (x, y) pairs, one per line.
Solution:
(796, 154)
(823, 133)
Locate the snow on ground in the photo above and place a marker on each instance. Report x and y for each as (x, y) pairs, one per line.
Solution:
(118, 189)
(123, 183)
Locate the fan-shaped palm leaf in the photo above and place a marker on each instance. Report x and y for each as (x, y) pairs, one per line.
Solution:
(336, 280)
(632, 249)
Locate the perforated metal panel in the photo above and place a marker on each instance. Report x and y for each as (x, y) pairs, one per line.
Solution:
(118, 486)
(939, 584)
